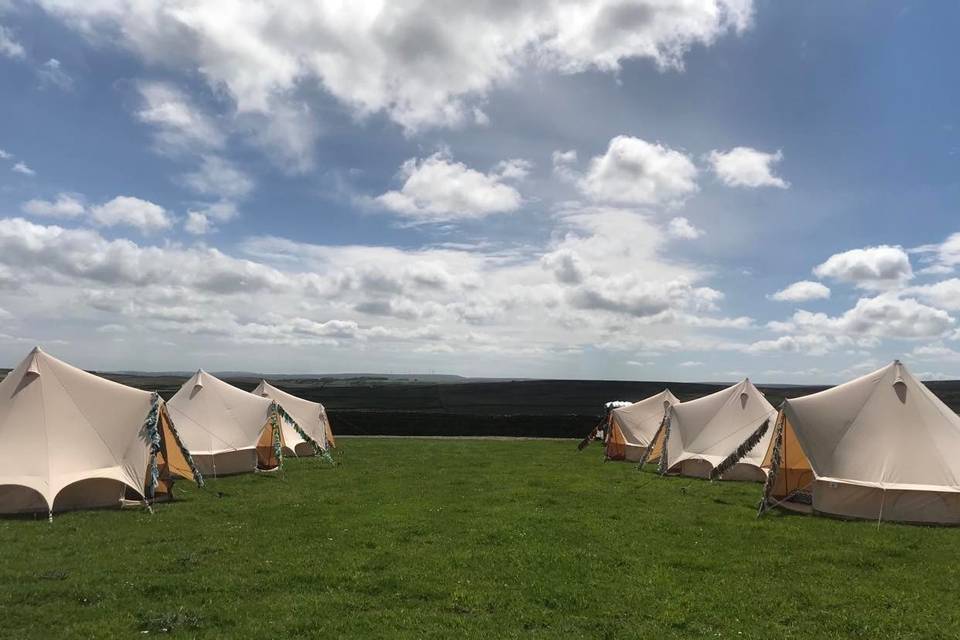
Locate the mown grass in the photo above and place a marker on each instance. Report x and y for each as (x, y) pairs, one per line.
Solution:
(461, 538)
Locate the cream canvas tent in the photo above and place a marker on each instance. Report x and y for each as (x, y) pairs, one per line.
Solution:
(631, 429)
(699, 435)
(882, 446)
(226, 429)
(304, 423)
(72, 440)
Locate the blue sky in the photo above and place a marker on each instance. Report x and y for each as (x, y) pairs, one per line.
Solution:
(627, 189)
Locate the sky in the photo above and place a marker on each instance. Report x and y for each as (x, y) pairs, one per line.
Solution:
(696, 190)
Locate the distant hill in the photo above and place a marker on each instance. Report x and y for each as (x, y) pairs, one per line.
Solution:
(453, 405)
(341, 378)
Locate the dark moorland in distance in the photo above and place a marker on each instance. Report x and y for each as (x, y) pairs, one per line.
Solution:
(440, 405)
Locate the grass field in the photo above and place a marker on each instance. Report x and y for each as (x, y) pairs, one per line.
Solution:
(448, 538)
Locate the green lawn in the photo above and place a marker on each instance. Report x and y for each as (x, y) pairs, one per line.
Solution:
(482, 539)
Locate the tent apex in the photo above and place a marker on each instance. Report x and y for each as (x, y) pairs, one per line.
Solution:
(34, 367)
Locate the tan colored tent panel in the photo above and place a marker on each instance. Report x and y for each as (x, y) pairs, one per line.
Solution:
(174, 458)
(632, 428)
(793, 473)
(881, 447)
(222, 425)
(702, 433)
(655, 450)
(70, 439)
(309, 416)
(615, 445)
(269, 448)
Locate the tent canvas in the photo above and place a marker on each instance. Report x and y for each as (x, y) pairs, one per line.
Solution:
(226, 429)
(699, 435)
(632, 428)
(880, 447)
(308, 419)
(70, 439)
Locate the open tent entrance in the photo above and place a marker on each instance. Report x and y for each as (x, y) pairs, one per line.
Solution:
(789, 474)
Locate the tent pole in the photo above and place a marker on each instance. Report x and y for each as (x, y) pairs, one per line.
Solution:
(883, 497)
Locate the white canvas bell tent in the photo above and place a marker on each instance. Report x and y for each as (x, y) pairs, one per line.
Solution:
(881, 447)
(304, 423)
(72, 440)
(226, 429)
(632, 428)
(700, 435)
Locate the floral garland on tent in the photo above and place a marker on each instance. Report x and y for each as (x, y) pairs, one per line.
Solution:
(151, 426)
(662, 463)
(776, 458)
(152, 430)
(745, 447)
(277, 446)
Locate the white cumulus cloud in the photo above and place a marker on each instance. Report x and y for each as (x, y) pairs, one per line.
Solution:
(680, 227)
(746, 167)
(52, 74)
(884, 316)
(880, 267)
(942, 258)
(66, 205)
(219, 177)
(422, 64)
(202, 220)
(802, 291)
(9, 47)
(634, 171)
(197, 223)
(132, 212)
(944, 294)
(180, 125)
(936, 352)
(21, 167)
(437, 188)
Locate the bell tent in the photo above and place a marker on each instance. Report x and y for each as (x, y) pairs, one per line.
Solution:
(880, 447)
(304, 423)
(701, 435)
(73, 440)
(226, 429)
(631, 428)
